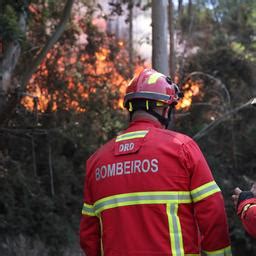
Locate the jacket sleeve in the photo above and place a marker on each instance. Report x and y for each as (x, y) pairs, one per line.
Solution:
(208, 204)
(89, 226)
(247, 213)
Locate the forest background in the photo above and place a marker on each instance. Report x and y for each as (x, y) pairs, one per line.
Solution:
(64, 66)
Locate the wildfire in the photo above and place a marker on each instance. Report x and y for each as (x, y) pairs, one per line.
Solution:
(190, 90)
(70, 65)
(48, 98)
(102, 55)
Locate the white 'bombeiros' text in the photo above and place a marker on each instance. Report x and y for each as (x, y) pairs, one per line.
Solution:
(126, 168)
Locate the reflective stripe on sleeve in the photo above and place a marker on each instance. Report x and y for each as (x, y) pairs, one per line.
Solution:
(222, 252)
(204, 191)
(161, 197)
(175, 230)
(132, 135)
(88, 210)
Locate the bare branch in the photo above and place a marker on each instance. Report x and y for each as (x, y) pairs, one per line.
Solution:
(217, 81)
(223, 118)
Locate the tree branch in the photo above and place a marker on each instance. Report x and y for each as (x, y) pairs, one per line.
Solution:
(7, 109)
(218, 82)
(215, 123)
(49, 44)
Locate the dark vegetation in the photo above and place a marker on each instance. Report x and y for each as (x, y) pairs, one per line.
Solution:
(44, 143)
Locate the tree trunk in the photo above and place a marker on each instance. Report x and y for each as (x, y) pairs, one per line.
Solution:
(10, 59)
(53, 39)
(159, 36)
(130, 19)
(190, 9)
(180, 8)
(171, 36)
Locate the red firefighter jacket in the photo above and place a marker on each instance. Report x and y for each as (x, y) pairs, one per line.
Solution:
(247, 213)
(149, 192)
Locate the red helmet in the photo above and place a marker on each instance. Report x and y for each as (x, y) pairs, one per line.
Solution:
(153, 86)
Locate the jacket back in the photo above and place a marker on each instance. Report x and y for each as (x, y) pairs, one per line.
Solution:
(153, 194)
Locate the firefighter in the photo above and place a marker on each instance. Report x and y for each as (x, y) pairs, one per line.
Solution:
(245, 203)
(149, 191)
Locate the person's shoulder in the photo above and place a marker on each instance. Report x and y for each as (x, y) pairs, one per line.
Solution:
(176, 137)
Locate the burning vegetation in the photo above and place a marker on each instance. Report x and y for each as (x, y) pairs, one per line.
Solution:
(71, 91)
(74, 71)
(191, 88)
(77, 77)
(91, 63)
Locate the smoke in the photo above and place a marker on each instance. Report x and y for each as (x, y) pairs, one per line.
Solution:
(143, 34)
(142, 30)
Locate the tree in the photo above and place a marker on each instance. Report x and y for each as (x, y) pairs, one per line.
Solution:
(218, 78)
(171, 39)
(159, 36)
(15, 18)
(71, 106)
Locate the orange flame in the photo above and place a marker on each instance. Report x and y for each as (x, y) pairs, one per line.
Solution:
(190, 89)
(101, 67)
(48, 98)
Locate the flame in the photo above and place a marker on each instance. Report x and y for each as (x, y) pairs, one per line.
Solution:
(120, 44)
(66, 60)
(66, 68)
(101, 67)
(102, 55)
(190, 90)
(77, 72)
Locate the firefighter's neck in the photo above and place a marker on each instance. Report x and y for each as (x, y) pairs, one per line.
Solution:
(140, 114)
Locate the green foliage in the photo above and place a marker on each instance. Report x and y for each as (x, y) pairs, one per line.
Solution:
(224, 34)
(43, 155)
(9, 27)
(228, 147)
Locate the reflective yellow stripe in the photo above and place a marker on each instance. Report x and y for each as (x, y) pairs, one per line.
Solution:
(132, 135)
(204, 191)
(101, 234)
(88, 210)
(153, 78)
(161, 197)
(156, 197)
(193, 254)
(222, 252)
(159, 104)
(175, 230)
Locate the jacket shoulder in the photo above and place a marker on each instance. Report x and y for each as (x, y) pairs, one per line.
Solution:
(176, 137)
